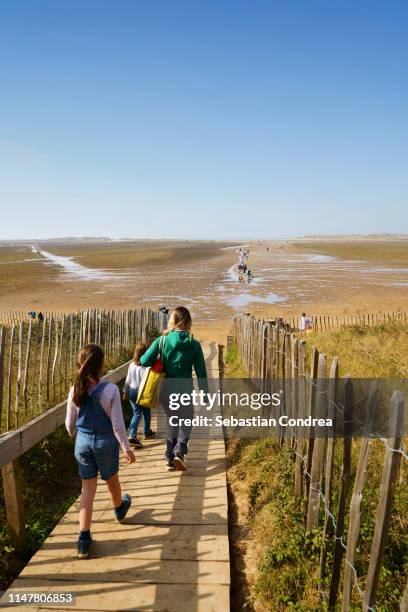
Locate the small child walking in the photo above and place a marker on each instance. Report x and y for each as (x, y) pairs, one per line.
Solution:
(95, 419)
(130, 391)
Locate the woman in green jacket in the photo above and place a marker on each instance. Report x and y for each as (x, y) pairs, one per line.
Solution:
(180, 354)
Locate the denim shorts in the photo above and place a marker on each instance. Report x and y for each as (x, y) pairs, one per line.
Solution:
(96, 453)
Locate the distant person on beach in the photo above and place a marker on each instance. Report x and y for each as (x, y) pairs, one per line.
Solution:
(32, 314)
(130, 391)
(180, 354)
(309, 324)
(302, 322)
(40, 316)
(280, 323)
(164, 310)
(95, 419)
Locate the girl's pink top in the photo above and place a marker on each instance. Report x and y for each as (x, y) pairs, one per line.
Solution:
(110, 402)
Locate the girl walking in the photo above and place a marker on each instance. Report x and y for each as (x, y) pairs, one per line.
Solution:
(180, 353)
(95, 419)
(132, 383)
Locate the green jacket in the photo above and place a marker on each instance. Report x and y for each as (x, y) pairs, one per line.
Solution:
(181, 352)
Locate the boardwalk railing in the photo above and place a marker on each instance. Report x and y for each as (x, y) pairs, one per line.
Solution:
(37, 357)
(270, 351)
(117, 331)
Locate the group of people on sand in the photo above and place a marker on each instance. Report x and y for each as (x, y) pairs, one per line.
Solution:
(95, 417)
(244, 272)
(34, 315)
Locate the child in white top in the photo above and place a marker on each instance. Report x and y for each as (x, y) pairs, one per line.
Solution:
(131, 388)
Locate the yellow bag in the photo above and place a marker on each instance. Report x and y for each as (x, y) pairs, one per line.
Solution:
(149, 385)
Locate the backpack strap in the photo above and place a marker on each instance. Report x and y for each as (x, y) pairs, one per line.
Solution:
(162, 342)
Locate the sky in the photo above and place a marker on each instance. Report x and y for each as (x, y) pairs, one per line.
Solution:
(218, 119)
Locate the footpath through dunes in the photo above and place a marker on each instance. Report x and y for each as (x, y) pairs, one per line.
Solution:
(172, 553)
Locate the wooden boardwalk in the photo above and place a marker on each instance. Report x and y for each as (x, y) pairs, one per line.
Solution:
(171, 554)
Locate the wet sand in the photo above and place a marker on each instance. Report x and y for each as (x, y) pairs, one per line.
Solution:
(288, 278)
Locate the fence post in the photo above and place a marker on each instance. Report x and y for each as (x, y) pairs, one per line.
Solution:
(355, 514)
(230, 342)
(9, 377)
(2, 350)
(345, 482)
(331, 413)
(386, 498)
(404, 600)
(14, 506)
(26, 368)
(301, 399)
(312, 400)
(19, 373)
(316, 471)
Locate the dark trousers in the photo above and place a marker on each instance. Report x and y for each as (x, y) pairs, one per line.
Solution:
(177, 432)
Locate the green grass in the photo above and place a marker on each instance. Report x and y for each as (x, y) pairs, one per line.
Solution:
(366, 352)
(287, 570)
(233, 364)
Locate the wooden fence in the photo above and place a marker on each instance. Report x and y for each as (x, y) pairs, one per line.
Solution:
(8, 317)
(273, 352)
(55, 346)
(332, 322)
(37, 357)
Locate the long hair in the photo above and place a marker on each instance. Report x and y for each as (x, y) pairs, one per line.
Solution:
(89, 364)
(140, 348)
(180, 318)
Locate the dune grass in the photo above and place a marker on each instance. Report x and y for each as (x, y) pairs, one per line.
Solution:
(281, 563)
(366, 352)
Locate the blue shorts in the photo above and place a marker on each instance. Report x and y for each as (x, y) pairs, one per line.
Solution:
(96, 453)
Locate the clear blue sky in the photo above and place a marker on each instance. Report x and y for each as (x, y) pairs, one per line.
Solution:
(203, 119)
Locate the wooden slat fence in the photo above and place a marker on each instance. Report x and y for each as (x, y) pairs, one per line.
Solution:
(332, 322)
(37, 357)
(269, 351)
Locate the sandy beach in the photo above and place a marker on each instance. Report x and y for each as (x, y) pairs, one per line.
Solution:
(316, 276)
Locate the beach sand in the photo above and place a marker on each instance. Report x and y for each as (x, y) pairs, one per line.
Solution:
(320, 277)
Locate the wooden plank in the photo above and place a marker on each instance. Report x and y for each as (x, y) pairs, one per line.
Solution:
(386, 498)
(19, 373)
(14, 505)
(132, 570)
(101, 596)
